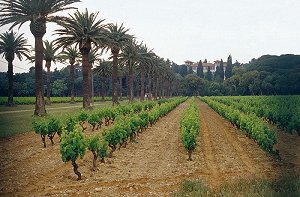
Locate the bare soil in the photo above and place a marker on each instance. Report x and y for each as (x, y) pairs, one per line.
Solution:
(155, 165)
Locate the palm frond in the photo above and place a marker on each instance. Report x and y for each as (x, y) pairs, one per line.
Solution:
(18, 12)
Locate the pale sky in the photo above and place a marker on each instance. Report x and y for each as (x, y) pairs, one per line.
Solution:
(197, 29)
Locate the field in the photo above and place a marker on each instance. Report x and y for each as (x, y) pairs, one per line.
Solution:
(17, 119)
(231, 157)
(31, 100)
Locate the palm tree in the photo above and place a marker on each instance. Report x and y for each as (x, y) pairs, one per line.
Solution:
(49, 56)
(104, 71)
(160, 70)
(71, 53)
(93, 56)
(129, 57)
(117, 39)
(145, 56)
(121, 74)
(12, 44)
(38, 12)
(151, 73)
(83, 29)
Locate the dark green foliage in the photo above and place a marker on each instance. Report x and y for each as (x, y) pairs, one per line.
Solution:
(209, 75)
(93, 144)
(93, 120)
(282, 110)
(190, 70)
(219, 74)
(54, 126)
(229, 67)
(82, 117)
(200, 70)
(183, 70)
(40, 126)
(127, 127)
(70, 124)
(72, 146)
(102, 152)
(189, 126)
(47, 127)
(255, 127)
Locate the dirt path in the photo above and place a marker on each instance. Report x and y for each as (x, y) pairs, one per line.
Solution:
(154, 166)
(230, 154)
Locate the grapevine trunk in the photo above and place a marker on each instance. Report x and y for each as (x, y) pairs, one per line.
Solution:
(75, 168)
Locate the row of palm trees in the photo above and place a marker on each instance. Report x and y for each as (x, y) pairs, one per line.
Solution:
(81, 36)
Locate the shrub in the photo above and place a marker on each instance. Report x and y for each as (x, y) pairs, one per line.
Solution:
(72, 146)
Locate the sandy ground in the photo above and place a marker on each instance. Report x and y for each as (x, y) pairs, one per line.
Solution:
(153, 166)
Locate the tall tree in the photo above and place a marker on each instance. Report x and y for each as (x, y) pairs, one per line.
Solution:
(190, 70)
(117, 39)
(209, 75)
(222, 70)
(183, 70)
(104, 71)
(49, 56)
(219, 74)
(205, 61)
(83, 29)
(229, 67)
(11, 45)
(200, 70)
(70, 54)
(145, 58)
(38, 12)
(129, 56)
(94, 55)
(121, 74)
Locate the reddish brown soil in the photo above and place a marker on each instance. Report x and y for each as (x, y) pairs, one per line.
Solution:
(153, 166)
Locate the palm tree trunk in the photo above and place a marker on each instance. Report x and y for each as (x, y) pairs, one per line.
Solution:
(86, 81)
(40, 109)
(72, 82)
(156, 88)
(142, 83)
(121, 88)
(127, 86)
(150, 86)
(130, 82)
(114, 78)
(48, 65)
(91, 78)
(103, 89)
(10, 73)
(170, 89)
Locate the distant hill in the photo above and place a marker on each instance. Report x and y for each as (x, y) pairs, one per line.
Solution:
(273, 63)
(283, 69)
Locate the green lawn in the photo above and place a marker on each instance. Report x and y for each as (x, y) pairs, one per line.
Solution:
(17, 119)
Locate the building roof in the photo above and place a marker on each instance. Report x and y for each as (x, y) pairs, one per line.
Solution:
(208, 65)
(188, 62)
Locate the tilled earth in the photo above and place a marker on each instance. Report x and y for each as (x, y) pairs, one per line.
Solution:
(155, 165)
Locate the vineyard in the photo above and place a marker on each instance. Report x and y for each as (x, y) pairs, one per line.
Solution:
(281, 110)
(151, 147)
(128, 121)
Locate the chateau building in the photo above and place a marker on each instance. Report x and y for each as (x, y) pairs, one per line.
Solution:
(212, 66)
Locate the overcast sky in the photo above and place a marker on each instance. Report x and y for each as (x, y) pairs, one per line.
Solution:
(197, 29)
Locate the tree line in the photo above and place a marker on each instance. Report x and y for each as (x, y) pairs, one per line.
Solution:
(82, 36)
(267, 75)
(133, 68)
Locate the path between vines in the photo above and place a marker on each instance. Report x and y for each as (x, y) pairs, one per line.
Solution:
(154, 166)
